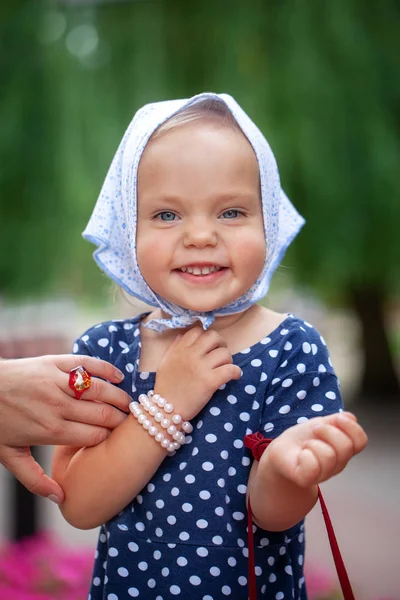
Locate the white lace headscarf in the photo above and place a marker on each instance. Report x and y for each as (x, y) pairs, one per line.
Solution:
(112, 226)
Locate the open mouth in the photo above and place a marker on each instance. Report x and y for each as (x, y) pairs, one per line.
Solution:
(200, 270)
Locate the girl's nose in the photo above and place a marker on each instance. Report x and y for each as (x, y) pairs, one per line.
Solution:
(200, 234)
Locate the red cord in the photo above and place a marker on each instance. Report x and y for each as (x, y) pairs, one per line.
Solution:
(257, 444)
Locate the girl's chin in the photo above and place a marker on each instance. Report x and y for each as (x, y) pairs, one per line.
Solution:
(202, 308)
(200, 305)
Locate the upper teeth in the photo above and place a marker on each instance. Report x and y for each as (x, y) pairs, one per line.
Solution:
(200, 270)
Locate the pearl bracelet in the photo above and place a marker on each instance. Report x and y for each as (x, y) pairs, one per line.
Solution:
(159, 417)
(169, 409)
(152, 430)
(157, 406)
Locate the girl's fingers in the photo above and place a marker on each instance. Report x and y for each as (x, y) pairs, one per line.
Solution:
(209, 341)
(340, 442)
(345, 415)
(191, 336)
(347, 423)
(226, 373)
(308, 469)
(338, 417)
(218, 357)
(324, 454)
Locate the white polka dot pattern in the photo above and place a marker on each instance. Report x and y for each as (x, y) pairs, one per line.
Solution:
(185, 533)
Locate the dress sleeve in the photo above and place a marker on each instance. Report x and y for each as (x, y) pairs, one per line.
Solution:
(94, 342)
(303, 384)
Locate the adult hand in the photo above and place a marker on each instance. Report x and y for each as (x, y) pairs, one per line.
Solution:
(37, 407)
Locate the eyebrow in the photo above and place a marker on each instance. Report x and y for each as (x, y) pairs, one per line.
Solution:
(219, 199)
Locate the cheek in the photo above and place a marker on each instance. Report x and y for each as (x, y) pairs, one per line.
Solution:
(143, 264)
(153, 253)
(145, 253)
(252, 255)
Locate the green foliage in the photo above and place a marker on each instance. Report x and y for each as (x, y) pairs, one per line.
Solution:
(321, 80)
(334, 109)
(28, 207)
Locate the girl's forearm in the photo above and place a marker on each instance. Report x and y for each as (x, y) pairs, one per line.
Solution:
(276, 502)
(101, 480)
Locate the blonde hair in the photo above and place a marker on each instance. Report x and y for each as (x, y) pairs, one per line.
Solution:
(210, 109)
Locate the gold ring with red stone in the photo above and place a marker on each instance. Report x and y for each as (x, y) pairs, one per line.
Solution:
(79, 381)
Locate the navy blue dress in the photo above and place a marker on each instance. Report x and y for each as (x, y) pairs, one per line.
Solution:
(185, 534)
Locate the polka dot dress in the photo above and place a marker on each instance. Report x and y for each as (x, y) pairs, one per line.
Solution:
(186, 532)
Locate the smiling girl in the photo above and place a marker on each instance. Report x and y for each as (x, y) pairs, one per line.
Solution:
(192, 220)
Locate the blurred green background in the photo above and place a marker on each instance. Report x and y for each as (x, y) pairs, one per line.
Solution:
(322, 81)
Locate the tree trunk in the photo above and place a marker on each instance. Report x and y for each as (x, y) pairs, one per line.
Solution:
(379, 381)
(24, 518)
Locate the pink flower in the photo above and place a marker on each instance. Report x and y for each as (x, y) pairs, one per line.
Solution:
(321, 582)
(40, 568)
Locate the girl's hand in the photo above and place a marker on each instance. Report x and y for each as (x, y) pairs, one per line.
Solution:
(312, 452)
(195, 365)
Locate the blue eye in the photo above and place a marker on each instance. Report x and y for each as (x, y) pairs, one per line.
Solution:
(166, 216)
(231, 214)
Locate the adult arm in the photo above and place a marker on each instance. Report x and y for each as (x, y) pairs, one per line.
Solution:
(100, 481)
(38, 408)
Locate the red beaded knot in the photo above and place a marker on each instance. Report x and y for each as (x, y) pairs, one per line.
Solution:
(256, 443)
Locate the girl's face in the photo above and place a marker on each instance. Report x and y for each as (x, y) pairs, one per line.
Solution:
(200, 233)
